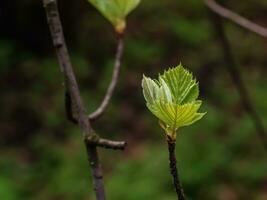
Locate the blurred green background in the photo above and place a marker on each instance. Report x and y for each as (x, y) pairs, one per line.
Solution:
(42, 154)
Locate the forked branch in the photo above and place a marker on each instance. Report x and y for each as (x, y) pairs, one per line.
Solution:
(72, 86)
(234, 17)
(73, 96)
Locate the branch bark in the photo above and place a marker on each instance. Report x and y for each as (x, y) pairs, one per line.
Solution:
(237, 79)
(174, 172)
(68, 107)
(74, 92)
(114, 80)
(105, 143)
(95, 139)
(237, 19)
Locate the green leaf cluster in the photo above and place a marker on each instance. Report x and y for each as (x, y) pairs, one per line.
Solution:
(116, 11)
(173, 99)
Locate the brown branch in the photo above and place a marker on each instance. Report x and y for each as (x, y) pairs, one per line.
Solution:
(68, 108)
(115, 76)
(97, 173)
(71, 84)
(174, 172)
(232, 16)
(95, 139)
(237, 79)
(108, 144)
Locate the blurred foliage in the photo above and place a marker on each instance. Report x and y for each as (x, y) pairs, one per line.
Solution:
(42, 154)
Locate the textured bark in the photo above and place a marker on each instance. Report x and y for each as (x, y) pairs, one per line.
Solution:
(73, 97)
(174, 172)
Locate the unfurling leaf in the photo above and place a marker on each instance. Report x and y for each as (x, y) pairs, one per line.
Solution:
(116, 11)
(173, 99)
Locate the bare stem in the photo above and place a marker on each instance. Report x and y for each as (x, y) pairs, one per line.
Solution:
(237, 79)
(234, 17)
(68, 107)
(105, 143)
(97, 173)
(114, 80)
(174, 172)
(72, 86)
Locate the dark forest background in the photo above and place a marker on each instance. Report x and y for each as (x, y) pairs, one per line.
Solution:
(42, 154)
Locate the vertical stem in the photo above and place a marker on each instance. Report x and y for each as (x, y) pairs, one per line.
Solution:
(97, 173)
(174, 172)
(60, 46)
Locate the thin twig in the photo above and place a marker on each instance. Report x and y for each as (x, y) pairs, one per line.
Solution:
(115, 76)
(174, 172)
(108, 144)
(234, 17)
(237, 79)
(66, 67)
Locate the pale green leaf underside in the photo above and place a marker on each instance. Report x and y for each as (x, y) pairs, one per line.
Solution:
(173, 98)
(115, 10)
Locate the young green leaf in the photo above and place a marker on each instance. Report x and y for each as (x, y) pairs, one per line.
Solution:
(173, 99)
(116, 11)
